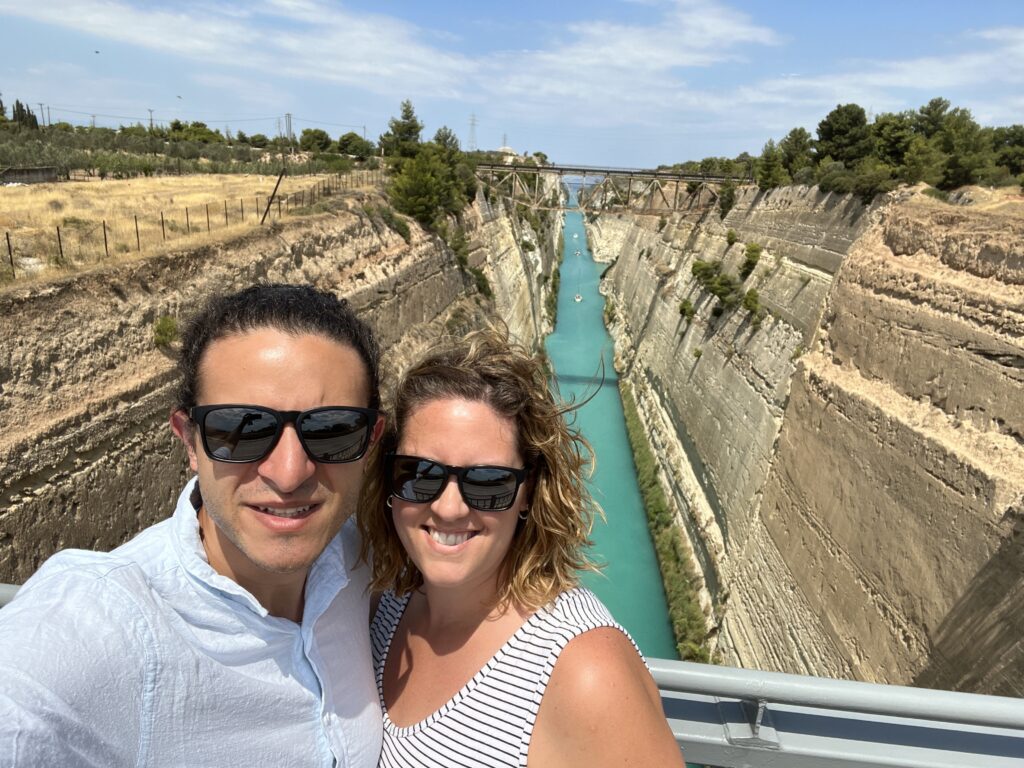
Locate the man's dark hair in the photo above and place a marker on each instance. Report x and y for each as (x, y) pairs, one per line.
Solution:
(297, 309)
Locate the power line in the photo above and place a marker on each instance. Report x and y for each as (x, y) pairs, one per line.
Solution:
(324, 122)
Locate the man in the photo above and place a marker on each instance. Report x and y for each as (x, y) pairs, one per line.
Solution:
(234, 632)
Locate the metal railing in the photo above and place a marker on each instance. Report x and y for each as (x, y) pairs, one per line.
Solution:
(736, 718)
(741, 718)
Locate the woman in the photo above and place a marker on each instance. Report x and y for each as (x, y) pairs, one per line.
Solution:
(487, 651)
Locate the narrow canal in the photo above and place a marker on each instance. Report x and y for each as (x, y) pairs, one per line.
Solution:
(630, 584)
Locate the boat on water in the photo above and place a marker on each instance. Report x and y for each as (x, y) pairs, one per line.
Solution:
(577, 298)
(575, 235)
(579, 252)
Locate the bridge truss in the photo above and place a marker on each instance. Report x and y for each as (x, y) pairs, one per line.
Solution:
(604, 189)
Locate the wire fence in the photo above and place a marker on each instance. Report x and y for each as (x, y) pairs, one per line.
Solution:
(78, 242)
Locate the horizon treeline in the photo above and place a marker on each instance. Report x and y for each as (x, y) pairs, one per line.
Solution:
(938, 144)
(177, 147)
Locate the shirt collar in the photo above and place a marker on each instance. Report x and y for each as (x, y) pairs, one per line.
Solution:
(327, 576)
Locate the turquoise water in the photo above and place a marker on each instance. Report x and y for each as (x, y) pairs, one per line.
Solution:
(630, 584)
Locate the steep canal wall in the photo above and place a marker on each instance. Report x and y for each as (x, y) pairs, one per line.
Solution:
(846, 450)
(87, 456)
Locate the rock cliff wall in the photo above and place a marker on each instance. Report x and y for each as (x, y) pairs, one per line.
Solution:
(85, 394)
(850, 470)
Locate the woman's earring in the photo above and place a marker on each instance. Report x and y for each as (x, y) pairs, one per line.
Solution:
(388, 502)
(525, 513)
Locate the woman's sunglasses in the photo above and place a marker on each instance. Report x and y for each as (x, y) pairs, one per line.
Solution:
(484, 488)
(239, 434)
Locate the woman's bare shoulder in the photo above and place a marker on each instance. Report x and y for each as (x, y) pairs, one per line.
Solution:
(601, 707)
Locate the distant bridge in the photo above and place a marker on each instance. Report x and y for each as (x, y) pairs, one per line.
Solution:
(609, 189)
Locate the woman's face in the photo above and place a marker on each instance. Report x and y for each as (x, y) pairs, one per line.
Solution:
(453, 544)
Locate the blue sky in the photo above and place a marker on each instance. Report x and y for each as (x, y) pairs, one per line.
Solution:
(606, 82)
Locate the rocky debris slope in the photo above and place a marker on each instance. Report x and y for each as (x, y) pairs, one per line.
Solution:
(848, 505)
(85, 393)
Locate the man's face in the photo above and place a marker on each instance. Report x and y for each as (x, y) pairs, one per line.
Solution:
(275, 516)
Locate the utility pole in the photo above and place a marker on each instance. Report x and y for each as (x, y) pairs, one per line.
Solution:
(92, 121)
(364, 133)
(150, 119)
(42, 114)
(288, 126)
(472, 132)
(48, 121)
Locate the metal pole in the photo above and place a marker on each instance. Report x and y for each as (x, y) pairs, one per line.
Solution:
(257, 205)
(241, 208)
(138, 242)
(163, 230)
(10, 253)
(207, 217)
(60, 247)
(106, 248)
(188, 223)
(279, 207)
(225, 213)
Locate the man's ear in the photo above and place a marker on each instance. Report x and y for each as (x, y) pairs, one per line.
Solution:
(181, 425)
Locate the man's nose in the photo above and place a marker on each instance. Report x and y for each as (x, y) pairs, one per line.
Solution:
(287, 466)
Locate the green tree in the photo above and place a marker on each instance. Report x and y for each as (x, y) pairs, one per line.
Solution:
(967, 146)
(893, 132)
(931, 116)
(770, 171)
(314, 140)
(258, 140)
(403, 136)
(423, 188)
(844, 135)
(796, 151)
(1007, 143)
(923, 161)
(24, 116)
(446, 139)
(241, 138)
(353, 144)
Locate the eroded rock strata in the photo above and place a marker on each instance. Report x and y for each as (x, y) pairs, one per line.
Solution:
(85, 394)
(850, 470)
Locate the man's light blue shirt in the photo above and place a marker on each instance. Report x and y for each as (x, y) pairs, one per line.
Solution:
(147, 656)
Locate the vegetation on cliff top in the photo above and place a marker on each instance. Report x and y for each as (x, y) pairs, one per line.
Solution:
(937, 143)
(178, 147)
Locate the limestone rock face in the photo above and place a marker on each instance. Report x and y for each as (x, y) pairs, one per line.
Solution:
(88, 457)
(850, 470)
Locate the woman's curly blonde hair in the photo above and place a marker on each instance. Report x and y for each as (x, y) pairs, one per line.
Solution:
(547, 551)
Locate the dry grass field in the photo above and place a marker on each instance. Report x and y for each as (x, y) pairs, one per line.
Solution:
(167, 209)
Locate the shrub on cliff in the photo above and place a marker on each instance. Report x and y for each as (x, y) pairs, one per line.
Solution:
(750, 258)
(677, 573)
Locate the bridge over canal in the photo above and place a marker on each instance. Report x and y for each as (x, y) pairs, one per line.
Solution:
(603, 189)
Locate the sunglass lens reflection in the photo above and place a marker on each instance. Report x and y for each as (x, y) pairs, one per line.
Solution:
(239, 434)
(335, 436)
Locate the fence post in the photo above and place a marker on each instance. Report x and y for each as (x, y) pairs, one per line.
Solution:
(163, 230)
(241, 207)
(60, 247)
(188, 224)
(207, 217)
(257, 205)
(279, 207)
(225, 213)
(10, 254)
(138, 242)
(106, 248)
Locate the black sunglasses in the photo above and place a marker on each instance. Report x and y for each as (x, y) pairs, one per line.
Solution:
(485, 488)
(239, 434)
